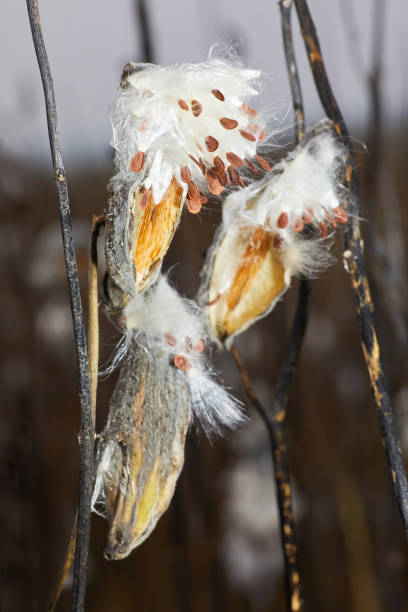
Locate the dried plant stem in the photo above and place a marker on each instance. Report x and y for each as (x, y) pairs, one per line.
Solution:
(86, 426)
(93, 322)
(142, 16)
(275, 419)
(285, 7)
(93, 339)
(354, 262)
(275, 427)
(66, 567)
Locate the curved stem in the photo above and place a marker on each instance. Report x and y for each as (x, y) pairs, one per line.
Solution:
(354, 262)
(275, 418)
(86, 426)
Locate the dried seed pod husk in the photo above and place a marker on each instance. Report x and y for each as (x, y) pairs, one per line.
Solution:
(137, 239)
(272, 230)
(245, 277)
(141, 450)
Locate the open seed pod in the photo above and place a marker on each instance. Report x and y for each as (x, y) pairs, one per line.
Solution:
(141, 450)
(180, 133)
(138, 234)
(271, 231)
(247, 278)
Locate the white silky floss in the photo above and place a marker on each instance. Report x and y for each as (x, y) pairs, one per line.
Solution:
(182, 117)
(161, 318)
(302, 191)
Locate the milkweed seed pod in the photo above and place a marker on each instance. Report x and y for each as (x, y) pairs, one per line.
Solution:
(180, 133)
(271, 231)
(161, 319)
(141, 450)
(165, 380)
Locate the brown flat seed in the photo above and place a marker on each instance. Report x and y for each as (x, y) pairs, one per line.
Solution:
(298, 225)
(223, 179)
(194, 160)
(193, 191)
(211, 144)
(282, 220)
(324, 231)
(340, 214)
(182, 363)
(248, 110)
(308, 216)
(145, 200)
(233, 176)
(218, 94)
(196, 108)
(219, 165)
(193, 206)
(228, 124)
(247, 135)
(251, 166)
(137, 162)
(203, 199)
(185, 174)
(214, 186)
(262, 162)
(199, 163)
(171, 341)
(182, 104)
(261, 136)
(233, 159)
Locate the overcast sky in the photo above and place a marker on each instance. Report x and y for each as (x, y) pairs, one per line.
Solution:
(89, 41)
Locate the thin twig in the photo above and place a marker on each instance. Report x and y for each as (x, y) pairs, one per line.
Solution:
(275, 425)
(142, 16)
(285, 7)
(66, 567)
(277, 437)
(354, 262)
(86, 427)
(93, 315)
(275, 419)
(93, 339)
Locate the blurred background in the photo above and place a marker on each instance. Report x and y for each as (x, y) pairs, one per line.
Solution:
(217, 547)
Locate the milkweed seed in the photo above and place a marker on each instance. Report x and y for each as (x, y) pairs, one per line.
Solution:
(218, 94)
(262, 162)
(137, 162)
(233, 159)
(182, 104)
(282, 220)
(228, 124)
(211, 143)
(196, 108)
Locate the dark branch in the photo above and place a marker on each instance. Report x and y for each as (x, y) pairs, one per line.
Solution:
(355, 265)
(275, 419)
(142, 17)
(86, 427)
(285, 7)
(274, 424)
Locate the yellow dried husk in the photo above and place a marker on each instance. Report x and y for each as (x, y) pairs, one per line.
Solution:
(153, 230)
(141, 449)
(246, 279)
